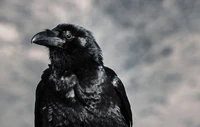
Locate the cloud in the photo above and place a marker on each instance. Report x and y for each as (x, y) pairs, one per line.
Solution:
(8, 32)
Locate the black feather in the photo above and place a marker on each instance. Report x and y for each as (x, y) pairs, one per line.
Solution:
(77, 90)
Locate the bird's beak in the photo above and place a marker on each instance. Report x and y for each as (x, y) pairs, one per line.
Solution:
(48, 38)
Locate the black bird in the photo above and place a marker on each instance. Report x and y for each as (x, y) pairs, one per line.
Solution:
(77, 90)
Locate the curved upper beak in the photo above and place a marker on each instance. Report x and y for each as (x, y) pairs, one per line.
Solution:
(48, 38)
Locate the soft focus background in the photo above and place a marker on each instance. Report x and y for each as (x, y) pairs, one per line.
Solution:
(153, 45)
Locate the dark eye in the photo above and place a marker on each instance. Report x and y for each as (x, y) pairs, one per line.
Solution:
(68, 35)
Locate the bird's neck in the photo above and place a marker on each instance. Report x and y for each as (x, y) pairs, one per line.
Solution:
(82, 72)
(62, 62)
(91, 74)
(59, 67)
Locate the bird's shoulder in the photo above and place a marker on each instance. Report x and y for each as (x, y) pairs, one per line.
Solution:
(112, 76)
(38, 96)
(44, 78)
(120, 90)
(46, 74)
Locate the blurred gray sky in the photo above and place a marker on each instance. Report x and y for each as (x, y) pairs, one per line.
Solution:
(153, 45)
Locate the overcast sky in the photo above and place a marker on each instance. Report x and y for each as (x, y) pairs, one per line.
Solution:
(153, 45)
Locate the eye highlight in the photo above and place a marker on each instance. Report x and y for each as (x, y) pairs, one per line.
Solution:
(68, 35)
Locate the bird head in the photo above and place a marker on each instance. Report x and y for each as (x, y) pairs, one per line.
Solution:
(69, 45)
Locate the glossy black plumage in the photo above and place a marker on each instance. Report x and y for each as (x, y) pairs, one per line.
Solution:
(77, 90)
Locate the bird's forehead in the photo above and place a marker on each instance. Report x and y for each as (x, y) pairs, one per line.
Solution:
(65, 27)
(75, 29)
(69, 27)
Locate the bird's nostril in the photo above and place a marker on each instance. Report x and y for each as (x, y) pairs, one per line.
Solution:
(51, 33)
(55, 32)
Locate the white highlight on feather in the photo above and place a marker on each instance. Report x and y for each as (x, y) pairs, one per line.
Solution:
(114, 110)
(83, 41)
(114, 81)
(70, 94)
(62, 78)
(101, 74)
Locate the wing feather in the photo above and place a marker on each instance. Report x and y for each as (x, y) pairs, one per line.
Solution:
(120, 90)
(38, 95)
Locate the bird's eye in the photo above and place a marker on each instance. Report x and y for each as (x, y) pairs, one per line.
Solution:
(68, 35)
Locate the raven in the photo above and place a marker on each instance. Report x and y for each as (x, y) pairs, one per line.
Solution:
(77, 90)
